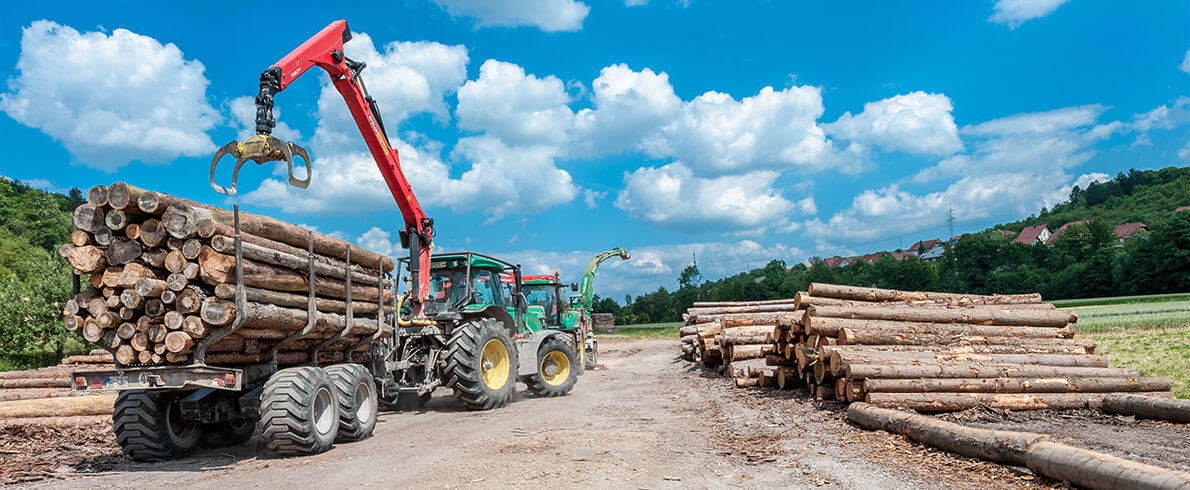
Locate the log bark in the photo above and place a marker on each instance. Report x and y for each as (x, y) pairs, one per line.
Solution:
(190, 300)
(182, 220)
(178, 342)
(132, 231)
(217, 268)
(264, 255)
(877, 294)
(123, 251)
(216, 311)
(1018, 385)
(838, 359)
(773, 308)
(949, 402)
(834, 326)
(150, 288)
(80, 238)
(976, 316)
(1097, 470)
(1034, 346)
(58, 407)
(709, 304)
(849, 337)
(227, 291)
(991, 445)
(980, 370)
(743, 319)
(1148, 407)
(35, 383)
(755, 351)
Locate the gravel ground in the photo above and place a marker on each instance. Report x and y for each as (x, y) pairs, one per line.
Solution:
(643, 420)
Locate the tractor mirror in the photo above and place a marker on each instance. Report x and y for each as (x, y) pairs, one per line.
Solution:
(574, 286)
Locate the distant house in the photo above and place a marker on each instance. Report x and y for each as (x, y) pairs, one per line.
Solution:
(933, 254)
(921, 247)
(1063, 228)
(871, 258)
(1003, 233)
(835, 261)
(1033, 235)
(1126, 230)
(1183, 208)
(902, 255)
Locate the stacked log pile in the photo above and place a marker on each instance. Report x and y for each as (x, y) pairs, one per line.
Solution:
(161, 272)
(604, 322)
(920, 350)
(49, 382)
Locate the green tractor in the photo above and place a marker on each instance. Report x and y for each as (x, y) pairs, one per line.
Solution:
(483, 336)
(574, 317)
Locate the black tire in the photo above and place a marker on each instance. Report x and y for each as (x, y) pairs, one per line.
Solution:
(356, 393)
(481, 383)
(299, 412)
(556, 372)
(230, 433)
(148, 426)
(580, 367)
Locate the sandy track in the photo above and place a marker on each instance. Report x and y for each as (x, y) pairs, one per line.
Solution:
(646, 421)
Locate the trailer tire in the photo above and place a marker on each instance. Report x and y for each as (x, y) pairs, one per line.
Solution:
(148, 426)
(299, 412)
(356, 392)
(229, 433)
(592, 360)
(481, 364)
(556, 373)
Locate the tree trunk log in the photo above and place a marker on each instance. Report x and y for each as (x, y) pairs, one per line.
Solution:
(88, 217)
(58, 407)
(1032, 346)
(227, 291)
(1147, 407)
(755, 351)
(123, 196)
(773, 308)
(976, 316)
(182, 220)
(981, 370)
(991, 445)
(97, 196)
(218, 269)
(876, 294)
(949, 402)
(744, 319)
(717, 304)
(270, 317)
(35, 383)
(1018, 385)
(838, 359)
(1097, 470)
(849, 337)
(263, 255)
(152, 233)
(87, 259)
(878, 328)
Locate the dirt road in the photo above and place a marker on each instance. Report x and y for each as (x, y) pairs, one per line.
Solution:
(644, 421)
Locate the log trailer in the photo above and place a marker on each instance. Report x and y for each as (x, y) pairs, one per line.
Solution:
(455, 326)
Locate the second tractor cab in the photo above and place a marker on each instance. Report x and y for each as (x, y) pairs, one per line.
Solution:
(491, 336)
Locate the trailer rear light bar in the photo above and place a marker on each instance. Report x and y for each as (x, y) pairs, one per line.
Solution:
(164, 378)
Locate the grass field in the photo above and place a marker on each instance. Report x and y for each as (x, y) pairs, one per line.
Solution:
(1115, 300)
(1153, 337)
(32, 359)
(649, 330)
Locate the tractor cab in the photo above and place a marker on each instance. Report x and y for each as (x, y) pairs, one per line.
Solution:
(467, 283)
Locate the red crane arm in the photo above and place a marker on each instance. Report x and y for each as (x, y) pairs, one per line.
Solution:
(325, 50)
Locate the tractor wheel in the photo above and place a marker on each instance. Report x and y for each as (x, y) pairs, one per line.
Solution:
(556, 372)
(580, 365)
(230, 433)
(356, 392)
(481, 364)
(149, 426)
(299, 413)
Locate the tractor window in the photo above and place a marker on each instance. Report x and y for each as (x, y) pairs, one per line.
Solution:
(543, 296)
(487, 287)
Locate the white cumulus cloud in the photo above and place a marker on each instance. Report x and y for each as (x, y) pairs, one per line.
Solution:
(1185, 66)
(672, 196)
(773, 129)
(1016, 12)
(110, 99)
(519, 109)
(916, 122)
(547, 15)
(630, 106)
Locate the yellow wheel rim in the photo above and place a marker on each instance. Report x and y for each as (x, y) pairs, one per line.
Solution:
(494, 365)
(555, 368)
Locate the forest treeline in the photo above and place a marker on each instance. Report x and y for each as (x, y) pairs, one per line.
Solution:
(1085, 261)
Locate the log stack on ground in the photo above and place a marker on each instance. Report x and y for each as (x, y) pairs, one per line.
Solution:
(162, 278)
(926, 351)
(604, 322)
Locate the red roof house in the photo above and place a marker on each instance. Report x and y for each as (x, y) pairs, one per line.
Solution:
(922, 246)
(902, 255)
(1126, 230)
(1033, 235)
(1063, 228)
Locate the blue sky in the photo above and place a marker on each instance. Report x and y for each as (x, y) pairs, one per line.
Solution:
(546, 131)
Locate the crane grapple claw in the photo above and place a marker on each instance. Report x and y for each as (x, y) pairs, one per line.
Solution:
(260, 149)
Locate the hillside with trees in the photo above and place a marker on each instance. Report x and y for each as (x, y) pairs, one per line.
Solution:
(1085, 261)
(34, 280)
